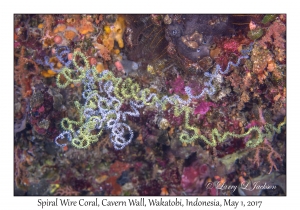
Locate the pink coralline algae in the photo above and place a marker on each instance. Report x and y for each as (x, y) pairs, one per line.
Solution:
(231, 45)
(203, 107)
(196, 87)
(193, 177)
(39, 130)
(178, 85)
(41, 109)
(275, 35)
(174, 121)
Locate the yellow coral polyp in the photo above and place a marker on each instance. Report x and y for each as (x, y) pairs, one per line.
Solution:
(99, 67)
(119, 27)
(55, 61)
(150, 69)
(85, 27)
(48, 73)
(107, 29)
(114, 33)
(116, 51)
(108, 42)
(84, 31)
(48, 43)
(53, 188)
(70, 35)
(59, 28)
(41, 25)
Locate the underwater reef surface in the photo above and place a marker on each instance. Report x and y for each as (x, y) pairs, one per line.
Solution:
(149, 104)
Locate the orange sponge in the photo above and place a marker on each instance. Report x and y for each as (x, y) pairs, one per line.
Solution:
(48, 73)
(114, 33)
(118, 30)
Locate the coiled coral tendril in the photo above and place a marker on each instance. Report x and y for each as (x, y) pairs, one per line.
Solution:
(104, 95)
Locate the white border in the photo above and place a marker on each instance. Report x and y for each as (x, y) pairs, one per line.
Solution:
(8, 8)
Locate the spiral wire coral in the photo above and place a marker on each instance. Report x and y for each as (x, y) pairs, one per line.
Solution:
(104, 95)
